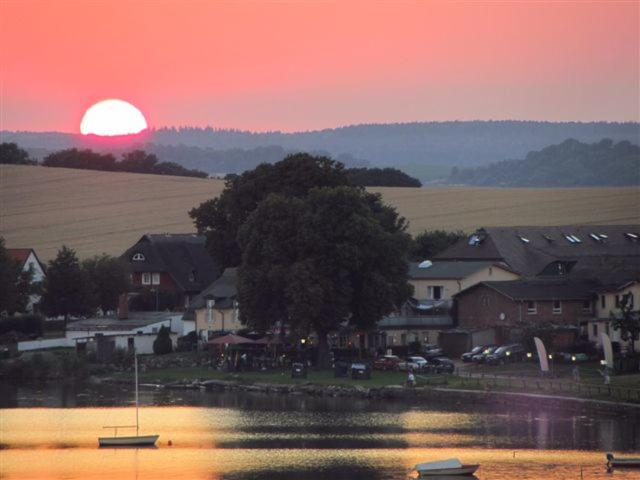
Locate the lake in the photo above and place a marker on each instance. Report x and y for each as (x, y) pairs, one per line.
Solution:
(51, 433)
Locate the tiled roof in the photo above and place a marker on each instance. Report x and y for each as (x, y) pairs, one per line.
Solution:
(180, 255)
(528, 250)
(540, 289)
(449, 269)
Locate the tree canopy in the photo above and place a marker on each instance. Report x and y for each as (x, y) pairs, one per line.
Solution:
(10, 153)
(627, 321)
(136, 161)
(67, 289)
(220, 218)
(381, 177)
(109, 277)
(429, 243)
(316, 261)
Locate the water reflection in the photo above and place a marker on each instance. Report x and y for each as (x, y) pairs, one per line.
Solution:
(240, 436)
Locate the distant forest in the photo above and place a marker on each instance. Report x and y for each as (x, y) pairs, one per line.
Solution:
(568, 164)
(427, 149)
(381, 177)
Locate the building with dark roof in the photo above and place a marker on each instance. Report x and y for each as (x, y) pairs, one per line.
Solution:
(176, 263)
(28, 259)
(215, 309)
(530, 251)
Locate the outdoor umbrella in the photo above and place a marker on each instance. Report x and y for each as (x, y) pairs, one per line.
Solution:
(230, 339)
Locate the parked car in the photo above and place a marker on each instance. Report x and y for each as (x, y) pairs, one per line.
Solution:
(442, 365)
(482, 356)
(413, 363)
(506, 353)
(468, 356)
(388, 362)
(431, 350)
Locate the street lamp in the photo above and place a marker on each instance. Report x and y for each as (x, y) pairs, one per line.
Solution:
(529, 355)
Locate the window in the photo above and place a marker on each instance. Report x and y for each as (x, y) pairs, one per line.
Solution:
(192, 276)
(603, 303)
(557, 306)
(617, 301)
(586, 306)
(138, 257)
(630, 301)
(146, 279)
(131, 344)
(155, 278)
(594, 330)
(606, 328)
(485, 301)
(523, 239)
(435, 292)
(532, 307)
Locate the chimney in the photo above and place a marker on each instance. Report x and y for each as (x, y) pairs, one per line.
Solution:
(123, 306)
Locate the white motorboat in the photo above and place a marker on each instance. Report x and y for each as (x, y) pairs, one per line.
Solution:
(136, 440)
(622, 462)
(445, 468)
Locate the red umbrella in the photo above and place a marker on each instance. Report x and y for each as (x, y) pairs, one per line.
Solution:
(230, 339)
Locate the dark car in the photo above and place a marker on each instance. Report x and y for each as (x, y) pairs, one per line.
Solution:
(468, 356)
(442, 365)
(482, 356)
(506, 353)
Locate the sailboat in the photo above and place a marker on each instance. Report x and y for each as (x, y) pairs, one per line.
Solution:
(129, 441)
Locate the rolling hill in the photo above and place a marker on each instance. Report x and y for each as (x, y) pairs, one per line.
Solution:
(95, 212)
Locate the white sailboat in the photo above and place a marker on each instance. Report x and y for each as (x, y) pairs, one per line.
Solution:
(129, 441)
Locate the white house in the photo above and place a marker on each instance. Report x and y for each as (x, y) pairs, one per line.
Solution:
(29, 260)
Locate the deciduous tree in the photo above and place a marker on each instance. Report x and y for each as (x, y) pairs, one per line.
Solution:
(627, 321)
(109, 278)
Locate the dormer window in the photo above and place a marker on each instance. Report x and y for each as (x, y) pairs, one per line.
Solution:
(138, 257)
(523, 239)
(192, 276)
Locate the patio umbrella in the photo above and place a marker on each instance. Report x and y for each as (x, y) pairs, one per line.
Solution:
(230, 339)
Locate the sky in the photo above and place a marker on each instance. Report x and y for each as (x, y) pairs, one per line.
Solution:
(305, 65)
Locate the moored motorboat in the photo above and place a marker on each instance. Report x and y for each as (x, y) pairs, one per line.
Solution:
(622, 462)
(445, 468)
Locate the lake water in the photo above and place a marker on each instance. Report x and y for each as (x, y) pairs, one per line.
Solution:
(51, 433)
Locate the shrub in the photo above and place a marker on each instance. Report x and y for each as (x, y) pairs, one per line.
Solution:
(31, 325)
(162, 344)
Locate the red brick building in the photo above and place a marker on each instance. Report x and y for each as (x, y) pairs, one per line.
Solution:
(176, 263)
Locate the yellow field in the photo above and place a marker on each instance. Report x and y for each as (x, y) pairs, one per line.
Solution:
(96, 212)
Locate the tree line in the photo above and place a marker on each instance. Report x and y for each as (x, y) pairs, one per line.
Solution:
(568, 164)
(136, 161)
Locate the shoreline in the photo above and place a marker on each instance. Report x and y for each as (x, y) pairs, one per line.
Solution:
(415, 394)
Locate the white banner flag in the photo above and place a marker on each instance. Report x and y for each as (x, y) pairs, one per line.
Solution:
(542, 354)
(605, 341)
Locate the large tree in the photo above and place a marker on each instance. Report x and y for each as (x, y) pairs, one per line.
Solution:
(109, 278)
(221, 218)
(336, 255)
(67, 287)
(15, 284)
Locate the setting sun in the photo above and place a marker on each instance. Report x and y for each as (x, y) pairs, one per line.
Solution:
(112, 117)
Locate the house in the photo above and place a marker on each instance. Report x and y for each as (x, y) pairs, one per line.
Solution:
(499, 312)
(216, 308)
(607, 304)
(29, 260)
(176, 263)
(429, 312)
(532, 251)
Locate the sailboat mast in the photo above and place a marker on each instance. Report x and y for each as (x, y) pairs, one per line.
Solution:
(135, 363)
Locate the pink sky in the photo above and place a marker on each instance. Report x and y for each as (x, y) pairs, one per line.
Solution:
(307, 65)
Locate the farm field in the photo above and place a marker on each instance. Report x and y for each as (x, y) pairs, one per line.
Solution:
(94, 212)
